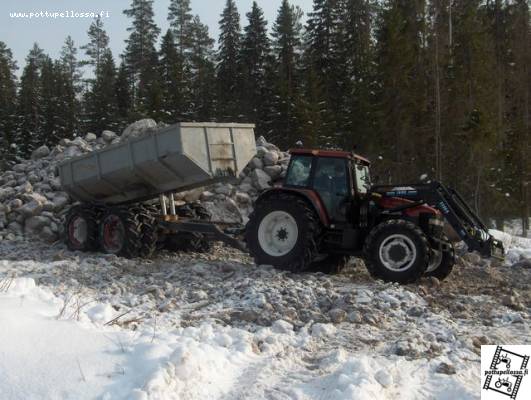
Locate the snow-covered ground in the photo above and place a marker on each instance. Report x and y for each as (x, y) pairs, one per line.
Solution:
(214, 326)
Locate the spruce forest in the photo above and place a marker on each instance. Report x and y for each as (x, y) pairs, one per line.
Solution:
(426, 89)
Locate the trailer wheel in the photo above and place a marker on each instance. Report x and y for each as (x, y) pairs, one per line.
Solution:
(81, 227)
(332, 264)
(149, 233)
(445, 263)
(121, 233)
(190, 241)
(397, 250)
(283, 231)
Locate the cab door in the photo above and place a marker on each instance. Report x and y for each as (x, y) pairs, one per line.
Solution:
(332, 183)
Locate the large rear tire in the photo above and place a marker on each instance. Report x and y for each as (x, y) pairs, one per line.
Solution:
(121, 232)
(283, 231)
(397, 251)
(81, 227)
(446, 263)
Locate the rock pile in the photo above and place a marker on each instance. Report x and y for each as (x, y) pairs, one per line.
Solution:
(32, 203)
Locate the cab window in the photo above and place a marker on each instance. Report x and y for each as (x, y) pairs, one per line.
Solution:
(299, 171)
(363, 180)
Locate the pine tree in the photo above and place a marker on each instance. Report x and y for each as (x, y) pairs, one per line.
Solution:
(358, 21)
(141, 56)
(69, 81)
(203, 85)
(70, 63)
(30, 119)
(97, 45)
(285, 111)
(255, 57)
(403, 89)
(101, 102)
(175, 91)
(180, 18)
(124, 99)
(8, 90)
(228, 71)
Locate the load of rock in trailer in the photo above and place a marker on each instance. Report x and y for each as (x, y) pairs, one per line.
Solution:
(32, 203)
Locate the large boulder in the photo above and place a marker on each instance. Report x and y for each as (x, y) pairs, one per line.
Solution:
(260, 179)
(139, 128)
(41, 152)
(108, 136)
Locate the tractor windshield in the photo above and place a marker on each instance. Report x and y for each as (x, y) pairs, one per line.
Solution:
(363, 179)
(299, 171)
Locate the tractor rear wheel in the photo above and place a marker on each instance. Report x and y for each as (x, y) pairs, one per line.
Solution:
(283, 231)
(397, 251)
(121, 233)
(81, 227)
(445, 263)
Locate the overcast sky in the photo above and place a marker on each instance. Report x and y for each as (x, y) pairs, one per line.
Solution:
(20, 34)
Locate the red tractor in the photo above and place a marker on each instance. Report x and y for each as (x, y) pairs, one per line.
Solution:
(327, 210)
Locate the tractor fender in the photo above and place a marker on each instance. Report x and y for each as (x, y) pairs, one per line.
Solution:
(308, 195)
(413, 212)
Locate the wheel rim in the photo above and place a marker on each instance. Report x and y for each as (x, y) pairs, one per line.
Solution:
(78, 231)
(113, 234)
(278, 233)
(397, 253)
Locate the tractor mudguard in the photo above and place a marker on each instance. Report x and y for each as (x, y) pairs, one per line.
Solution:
(308, 195)
(408, 207)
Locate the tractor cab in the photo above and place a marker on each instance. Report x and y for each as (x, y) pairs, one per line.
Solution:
(339, 178)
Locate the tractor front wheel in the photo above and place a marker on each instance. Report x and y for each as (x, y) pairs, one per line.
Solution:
(283, 232)
(443, 265)
(397, 251)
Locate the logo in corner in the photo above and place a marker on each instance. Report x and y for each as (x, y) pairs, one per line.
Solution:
(505, 373)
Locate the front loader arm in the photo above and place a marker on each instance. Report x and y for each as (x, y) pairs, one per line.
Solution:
(457, 212)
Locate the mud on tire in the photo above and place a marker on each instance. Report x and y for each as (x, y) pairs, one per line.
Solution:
(305, 247)
(396, 251)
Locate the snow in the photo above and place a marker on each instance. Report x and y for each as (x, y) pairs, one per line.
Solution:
(59, 339)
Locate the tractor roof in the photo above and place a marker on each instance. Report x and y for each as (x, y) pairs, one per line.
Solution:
(331, 153)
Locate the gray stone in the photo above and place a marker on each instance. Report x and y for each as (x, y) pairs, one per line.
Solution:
(282, 326)
(273, 171)
(34, 224)
(243, 198)
(47, 235)
(41, 152)
(355, 317)
(138, 128)
(6, 193)
(261, 141)
(256, 163)
(31, 209)
(15, 227)
(260, 179)
(337, 315)
(19, 168)
(270, 158)
(415, 311)
(444, 368)
(90, 137)
(108, 136)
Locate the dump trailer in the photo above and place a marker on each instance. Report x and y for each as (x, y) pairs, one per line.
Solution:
(126, 191)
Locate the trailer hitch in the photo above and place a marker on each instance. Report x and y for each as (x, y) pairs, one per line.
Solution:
(209, 230)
